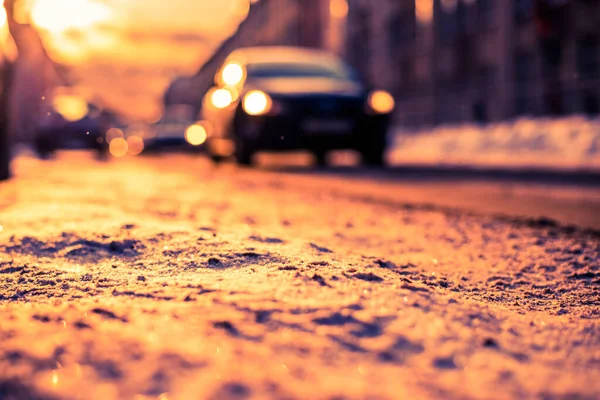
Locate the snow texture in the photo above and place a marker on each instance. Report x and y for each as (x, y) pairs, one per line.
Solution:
(164, 278)
(567, 143)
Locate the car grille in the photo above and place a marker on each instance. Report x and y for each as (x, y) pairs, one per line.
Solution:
(324, 106)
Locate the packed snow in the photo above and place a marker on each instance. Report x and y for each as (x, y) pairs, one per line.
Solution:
(167, 278)
(566, 143)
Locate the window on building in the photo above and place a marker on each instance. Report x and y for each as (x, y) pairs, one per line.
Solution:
(485, 12)
(524, 67)
(523, 11)
(359, 45)
(523, 105)
(524, 74)
(401, 28)
(448, 25)
(406, 72)
(462, 18)
(486, 77)
(587, 57)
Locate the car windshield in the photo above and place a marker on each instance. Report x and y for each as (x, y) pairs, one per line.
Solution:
(297, 70)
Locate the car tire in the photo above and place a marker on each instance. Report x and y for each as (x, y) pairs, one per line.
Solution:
(374, 157)
(216, 159)
(44, 146)
(320, 158)
(244, 152)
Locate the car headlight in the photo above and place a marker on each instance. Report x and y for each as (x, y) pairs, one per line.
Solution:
(233, 74)
(257, 102)
(381, 102)
(221, 98)
(196, 134)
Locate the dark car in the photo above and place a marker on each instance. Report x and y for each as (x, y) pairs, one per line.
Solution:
(172, 131)
(286, 98)
(71, 127)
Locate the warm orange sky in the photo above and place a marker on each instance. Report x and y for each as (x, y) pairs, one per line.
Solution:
(131, 30)
(129, 50)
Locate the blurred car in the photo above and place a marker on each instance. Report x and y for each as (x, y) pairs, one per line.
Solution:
(288, 98)
(171, 131)
(68, 122)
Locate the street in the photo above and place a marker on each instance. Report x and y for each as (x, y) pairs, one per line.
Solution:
(166, 277)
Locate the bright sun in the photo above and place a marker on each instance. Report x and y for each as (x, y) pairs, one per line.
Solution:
(58, 16)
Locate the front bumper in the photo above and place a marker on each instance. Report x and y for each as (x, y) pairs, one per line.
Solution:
(169, 143)
(298, 132)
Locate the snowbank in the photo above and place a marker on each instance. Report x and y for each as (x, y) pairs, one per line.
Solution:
(567, 143)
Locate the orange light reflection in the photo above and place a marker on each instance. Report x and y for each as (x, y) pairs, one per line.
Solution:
(135, 145)
(118, 147)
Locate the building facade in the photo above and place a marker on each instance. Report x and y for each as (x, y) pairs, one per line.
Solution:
(452, 61)
(447, 61)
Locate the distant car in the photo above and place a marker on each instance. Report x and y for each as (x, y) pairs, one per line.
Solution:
(287, 98)
(74, 126)
(171, 131)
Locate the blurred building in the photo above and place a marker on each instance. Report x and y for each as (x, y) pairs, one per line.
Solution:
(270, 22)
(451, 61)
(446, 61)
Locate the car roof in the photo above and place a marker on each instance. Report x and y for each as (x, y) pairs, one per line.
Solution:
(284, 54)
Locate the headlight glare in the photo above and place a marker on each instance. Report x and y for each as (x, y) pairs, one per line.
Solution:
(381, 102)
(257, 102)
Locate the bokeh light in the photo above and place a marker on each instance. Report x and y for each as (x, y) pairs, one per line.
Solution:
(381, 102)
(232, 74)
(221, 98)
(135, 145)
(196, 135)
(70, 107)
(114, 133)
(424, 11)
(338, 8)
(118, 147)
(257, 102)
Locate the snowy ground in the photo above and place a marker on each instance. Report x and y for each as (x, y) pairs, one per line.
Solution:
(567, 143)
(166, 278)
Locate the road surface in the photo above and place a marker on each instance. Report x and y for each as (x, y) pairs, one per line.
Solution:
(164, 277)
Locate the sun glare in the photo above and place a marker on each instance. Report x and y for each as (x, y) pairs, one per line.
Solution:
(58, 16)
(2, 16)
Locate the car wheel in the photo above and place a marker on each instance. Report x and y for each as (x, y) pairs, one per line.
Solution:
(216, 159)
(373, 156)
(320, 158)
(243, 152)
(44, 147)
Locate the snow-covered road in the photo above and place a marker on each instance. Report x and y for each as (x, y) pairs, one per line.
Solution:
(166, 278)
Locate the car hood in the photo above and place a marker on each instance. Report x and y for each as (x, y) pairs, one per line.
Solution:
(307, 86)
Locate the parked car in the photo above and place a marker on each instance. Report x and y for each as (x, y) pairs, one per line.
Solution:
(287, 98)
(68, 122)
(172, 131)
